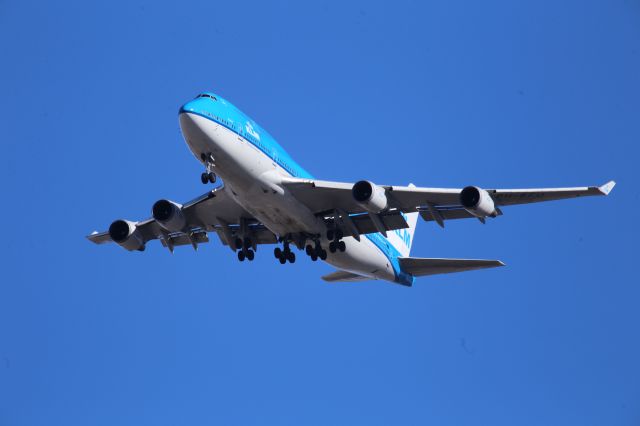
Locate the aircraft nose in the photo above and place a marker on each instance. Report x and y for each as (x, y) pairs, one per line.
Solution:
(189, 106)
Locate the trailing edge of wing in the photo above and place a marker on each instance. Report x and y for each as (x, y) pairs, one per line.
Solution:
(419, 267)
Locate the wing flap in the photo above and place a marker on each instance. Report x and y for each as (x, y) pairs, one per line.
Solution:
(447, 213)
(364, 224)
(183, 239)
(419, 267)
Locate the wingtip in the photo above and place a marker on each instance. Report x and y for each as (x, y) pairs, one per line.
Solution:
(607, 187)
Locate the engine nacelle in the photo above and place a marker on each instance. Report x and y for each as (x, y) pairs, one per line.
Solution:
(370, 196)
(478, 202)
(169, 215)
(127, 235)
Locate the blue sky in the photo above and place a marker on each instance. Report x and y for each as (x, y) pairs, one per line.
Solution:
(495, 94)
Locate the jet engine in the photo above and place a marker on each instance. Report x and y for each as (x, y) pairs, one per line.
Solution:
(127, 235)
(169, 215)
(478, 202)
(370, 196)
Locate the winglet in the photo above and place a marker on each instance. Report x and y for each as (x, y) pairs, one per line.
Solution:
(607, 187)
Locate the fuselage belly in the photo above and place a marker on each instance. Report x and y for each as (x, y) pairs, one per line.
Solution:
(252, 178)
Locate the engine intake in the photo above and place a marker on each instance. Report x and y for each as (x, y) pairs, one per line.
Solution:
(169, 215)
(478, 202)
(127, 235)
(370, 196)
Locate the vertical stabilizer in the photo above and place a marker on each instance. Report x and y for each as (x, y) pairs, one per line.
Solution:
(402, 239)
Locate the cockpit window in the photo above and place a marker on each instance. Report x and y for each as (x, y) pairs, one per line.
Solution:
(206, 95)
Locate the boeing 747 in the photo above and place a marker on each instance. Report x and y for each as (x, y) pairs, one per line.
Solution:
(364, 230)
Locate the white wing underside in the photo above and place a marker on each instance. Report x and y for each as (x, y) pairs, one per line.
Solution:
(214, 211)
(323, 197)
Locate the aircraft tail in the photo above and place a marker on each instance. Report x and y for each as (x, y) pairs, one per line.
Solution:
(402, 239)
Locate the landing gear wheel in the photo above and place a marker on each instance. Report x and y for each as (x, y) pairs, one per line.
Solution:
(342, 246)
(204, 178)
(241, 256)
(323, 254)
(250, 255)
(277, 252)
(211, 177)
(314, 257)
(332, 247)
(292, 257)
(309, 250)
(283, 260)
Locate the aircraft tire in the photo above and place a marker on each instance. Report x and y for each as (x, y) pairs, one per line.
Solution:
(241, 256)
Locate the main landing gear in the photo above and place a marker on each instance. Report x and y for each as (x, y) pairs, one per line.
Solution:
(208, 176)
(284, 254)
(337, 244)
(245, 251)
(313, 249)
(316, 251)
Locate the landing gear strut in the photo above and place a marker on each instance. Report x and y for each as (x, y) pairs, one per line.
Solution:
(208, 176)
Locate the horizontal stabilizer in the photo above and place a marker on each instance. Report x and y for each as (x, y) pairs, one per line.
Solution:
(344, 276)
(419, 267)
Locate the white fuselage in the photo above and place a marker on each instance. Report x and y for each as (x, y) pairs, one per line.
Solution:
(254, 180)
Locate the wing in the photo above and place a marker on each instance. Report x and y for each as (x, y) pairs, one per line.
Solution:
(214, 211)
(434, 204)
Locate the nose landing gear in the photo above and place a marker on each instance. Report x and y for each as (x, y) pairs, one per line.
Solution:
(208, 176)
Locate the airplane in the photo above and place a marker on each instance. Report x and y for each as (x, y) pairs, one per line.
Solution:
(362, 229)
